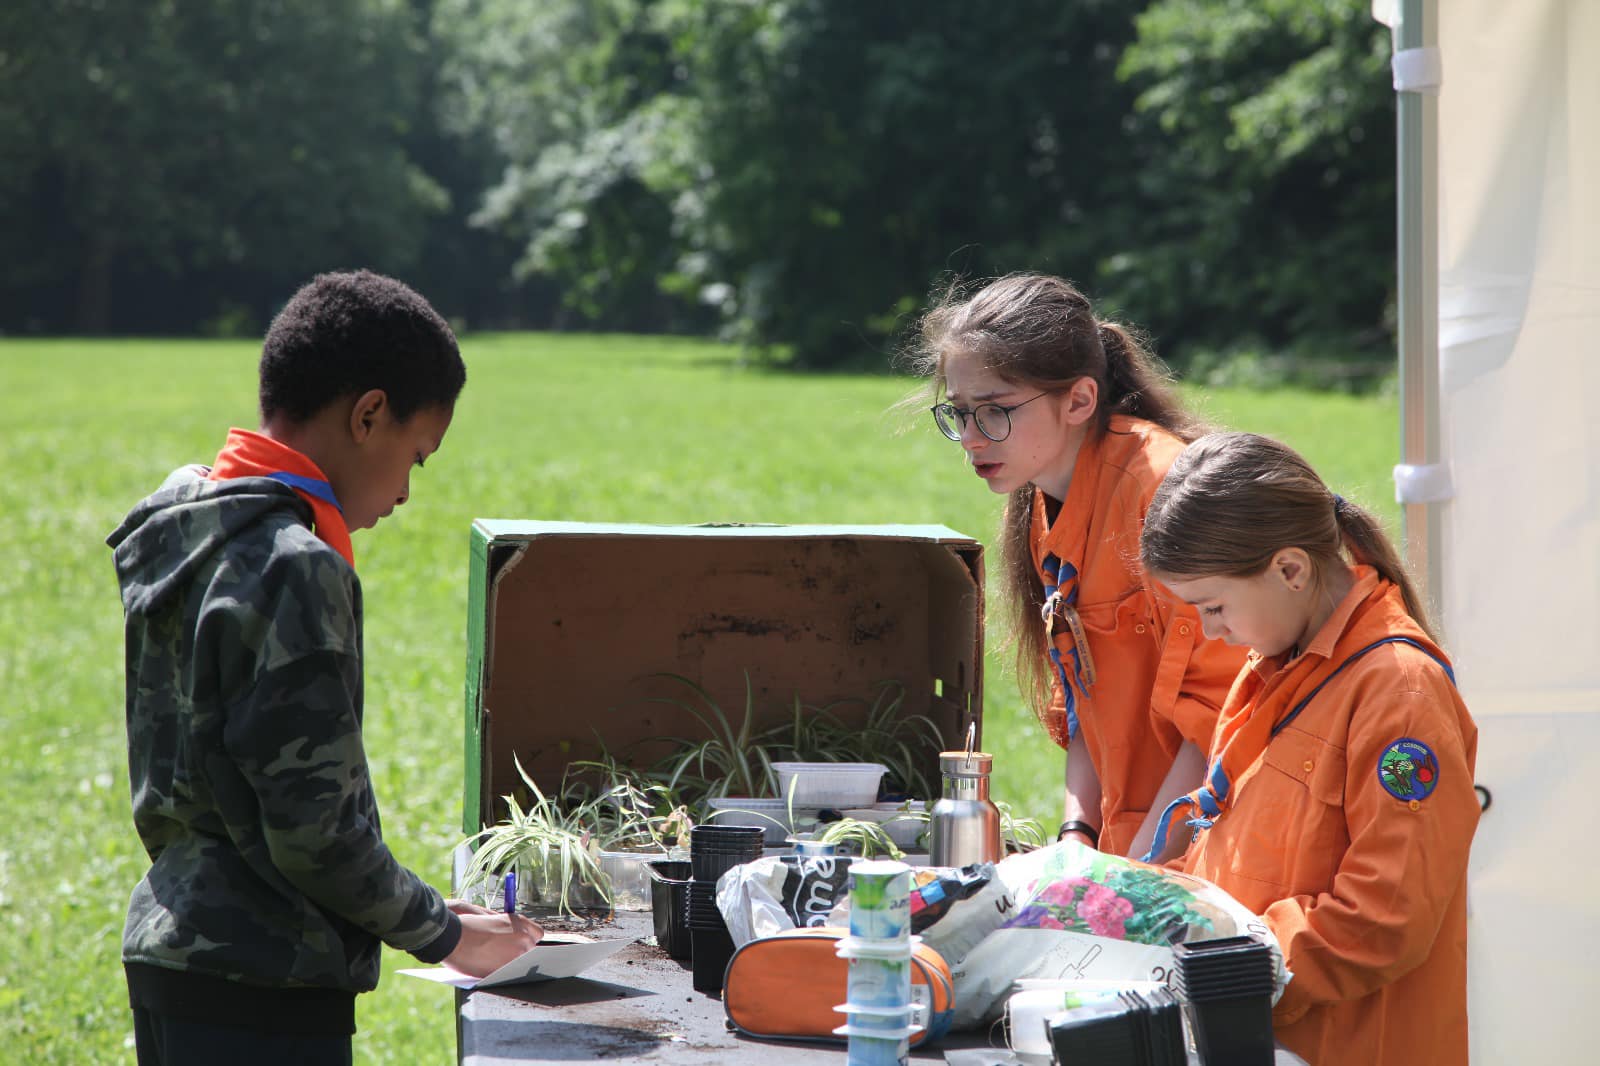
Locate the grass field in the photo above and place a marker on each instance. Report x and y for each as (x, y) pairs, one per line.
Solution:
(571, 427)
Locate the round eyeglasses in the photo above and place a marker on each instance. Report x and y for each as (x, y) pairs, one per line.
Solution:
(994, 420)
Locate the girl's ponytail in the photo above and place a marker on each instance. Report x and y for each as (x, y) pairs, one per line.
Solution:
(1231, 501)
(1137, 384)
(1363, 537)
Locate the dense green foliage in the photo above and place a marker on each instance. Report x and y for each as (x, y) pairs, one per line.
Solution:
(548, 427)
(796, 174)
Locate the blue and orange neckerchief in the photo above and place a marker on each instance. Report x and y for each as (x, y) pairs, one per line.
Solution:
(1207, 802)
(247, 454)
(1060, 606)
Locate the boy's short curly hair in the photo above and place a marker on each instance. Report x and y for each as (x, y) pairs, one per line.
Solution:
(343, 334)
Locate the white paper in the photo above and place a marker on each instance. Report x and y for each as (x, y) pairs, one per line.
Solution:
(547, 960)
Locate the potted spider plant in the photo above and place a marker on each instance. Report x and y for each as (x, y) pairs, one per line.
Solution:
(554, 844)
(727, 773)
(852, 836)
(636, 822)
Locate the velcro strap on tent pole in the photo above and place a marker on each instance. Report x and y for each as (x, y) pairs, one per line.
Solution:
(1417, 483)
(1417, 70)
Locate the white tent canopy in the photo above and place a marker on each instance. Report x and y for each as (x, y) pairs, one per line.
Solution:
(1511, 401)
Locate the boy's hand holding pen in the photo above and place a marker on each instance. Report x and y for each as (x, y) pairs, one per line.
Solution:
(490, 939)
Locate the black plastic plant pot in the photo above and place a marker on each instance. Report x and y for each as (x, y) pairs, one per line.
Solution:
(1236, 1031)
(669, 893)
(700, 908)
(1107, 1040)
(712, 950)
(726, 834)
(709, 866)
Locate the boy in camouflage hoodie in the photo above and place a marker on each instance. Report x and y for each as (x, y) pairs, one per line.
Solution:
(270, 886)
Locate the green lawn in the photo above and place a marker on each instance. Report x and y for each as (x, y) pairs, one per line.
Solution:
(570, 427)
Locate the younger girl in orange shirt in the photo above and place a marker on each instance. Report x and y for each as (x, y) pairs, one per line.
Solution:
(1070, 418)
(1338, 802)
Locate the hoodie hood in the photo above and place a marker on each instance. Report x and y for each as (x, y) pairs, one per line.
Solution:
(172, 533)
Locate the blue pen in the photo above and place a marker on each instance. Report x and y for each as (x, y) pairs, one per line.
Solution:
(509, 893)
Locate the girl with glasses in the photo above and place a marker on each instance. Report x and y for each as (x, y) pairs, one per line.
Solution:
(1339, 804)
(1074, 421)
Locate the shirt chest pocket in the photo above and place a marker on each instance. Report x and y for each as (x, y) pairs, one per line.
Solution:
(1128, 614)
(1297, 821)
(1315, 763)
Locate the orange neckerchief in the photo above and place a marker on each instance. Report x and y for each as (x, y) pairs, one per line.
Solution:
(248, 454)
(1249, 722)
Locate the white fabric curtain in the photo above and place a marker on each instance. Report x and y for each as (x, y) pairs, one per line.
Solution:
(1519, 359)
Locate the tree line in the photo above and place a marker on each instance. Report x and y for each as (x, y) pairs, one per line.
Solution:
(797, 175)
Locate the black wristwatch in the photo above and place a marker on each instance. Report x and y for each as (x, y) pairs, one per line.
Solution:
(1080, 827)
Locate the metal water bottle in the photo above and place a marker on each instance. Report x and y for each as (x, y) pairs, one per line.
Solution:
(965, 823)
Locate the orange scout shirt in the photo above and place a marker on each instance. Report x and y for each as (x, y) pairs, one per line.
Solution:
(1157, 680)
(1366, 891)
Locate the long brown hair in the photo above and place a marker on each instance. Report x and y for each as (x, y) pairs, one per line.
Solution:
(1040, 331)
(1231, 501)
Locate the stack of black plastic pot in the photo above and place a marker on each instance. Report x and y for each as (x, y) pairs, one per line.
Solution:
(1146, 1031)
(1226, 985)
(713, 851)
(669, 906)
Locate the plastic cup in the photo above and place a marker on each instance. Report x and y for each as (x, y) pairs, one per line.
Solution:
(880, 900)
(815, 849)
(879, 982)
(872, 1050)
(888, 1022)
(850, 947)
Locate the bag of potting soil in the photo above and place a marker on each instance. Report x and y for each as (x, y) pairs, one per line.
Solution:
(772, 895)
(952, 907)
(1080, 913)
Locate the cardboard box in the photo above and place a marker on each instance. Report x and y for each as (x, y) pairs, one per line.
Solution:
(572, 627)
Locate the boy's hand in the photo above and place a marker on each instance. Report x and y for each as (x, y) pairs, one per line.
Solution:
(461, 906)
(490, 940)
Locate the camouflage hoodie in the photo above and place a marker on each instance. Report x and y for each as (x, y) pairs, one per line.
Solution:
(249, 780)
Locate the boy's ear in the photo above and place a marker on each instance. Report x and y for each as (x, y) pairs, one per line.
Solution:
(1293, 567)
(364, 413)
(1082, 396)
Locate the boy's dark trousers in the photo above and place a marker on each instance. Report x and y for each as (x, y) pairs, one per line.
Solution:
(167, 1041)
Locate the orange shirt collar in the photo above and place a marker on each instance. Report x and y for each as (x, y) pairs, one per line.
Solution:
(247, 454)
(1065, 537)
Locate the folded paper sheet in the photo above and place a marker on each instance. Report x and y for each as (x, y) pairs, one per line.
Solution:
(552, 957)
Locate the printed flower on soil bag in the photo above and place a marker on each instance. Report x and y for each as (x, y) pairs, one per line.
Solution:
(1112, 898)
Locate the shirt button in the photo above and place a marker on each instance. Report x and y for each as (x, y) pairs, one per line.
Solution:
(1415, 805)
(1307, 766)
(1183, 630)
(1139, 628)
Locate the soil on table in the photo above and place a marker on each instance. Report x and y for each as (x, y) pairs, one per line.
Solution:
(595, 924)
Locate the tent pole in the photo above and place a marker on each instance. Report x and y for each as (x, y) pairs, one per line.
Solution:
(1417, 156)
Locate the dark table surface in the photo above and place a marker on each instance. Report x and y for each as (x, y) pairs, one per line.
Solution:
(638, 1004)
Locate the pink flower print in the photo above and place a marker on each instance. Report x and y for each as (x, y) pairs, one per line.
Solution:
(1047, 921)
(1105, 911)
(1062, 893)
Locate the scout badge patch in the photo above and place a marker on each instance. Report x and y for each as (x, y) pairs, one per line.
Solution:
(1408, 770)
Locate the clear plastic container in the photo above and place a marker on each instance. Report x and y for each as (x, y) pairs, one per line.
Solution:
(830, 784)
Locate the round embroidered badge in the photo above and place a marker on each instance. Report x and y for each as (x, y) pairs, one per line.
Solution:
(1408, 770)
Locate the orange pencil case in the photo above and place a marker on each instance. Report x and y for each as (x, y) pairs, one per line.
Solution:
(786, 987)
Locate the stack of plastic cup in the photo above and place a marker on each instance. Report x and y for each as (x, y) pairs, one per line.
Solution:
(878, 988)
(713, 851)
(1227, 986)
